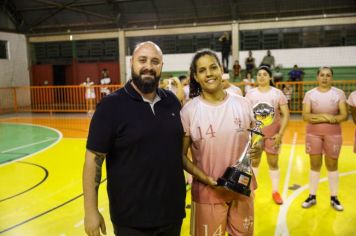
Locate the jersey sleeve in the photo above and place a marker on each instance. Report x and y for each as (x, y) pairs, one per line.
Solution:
(352, 99)
(342, 96)
(282, 98)
(185, 118)
(306, 99)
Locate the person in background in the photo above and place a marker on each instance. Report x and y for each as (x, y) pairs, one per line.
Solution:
(248, 82)
(174, 85)
(268, 60)
(277, 75)
(138, 131)
(89, 94)
(225, 49)
(229, 87)
(324, 108)
(352, 103)
(296, 74)
(288, 91)
(215, 125)
(105, 80)
(184, 80)
(273, 133)
(236, 69)
(250, 63)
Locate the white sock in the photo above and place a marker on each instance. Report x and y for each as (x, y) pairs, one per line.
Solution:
(314, 181)
(333, 177)
(274, 174)
(255, 171)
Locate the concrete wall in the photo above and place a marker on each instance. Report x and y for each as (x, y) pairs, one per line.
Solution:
(15, 70)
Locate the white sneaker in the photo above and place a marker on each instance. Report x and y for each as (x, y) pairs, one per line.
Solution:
(335, 203)
(309, 202)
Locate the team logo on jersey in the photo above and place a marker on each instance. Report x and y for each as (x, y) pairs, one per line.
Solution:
(247, 222)
(238, 123)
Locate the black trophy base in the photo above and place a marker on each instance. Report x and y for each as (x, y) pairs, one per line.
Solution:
(236, 181)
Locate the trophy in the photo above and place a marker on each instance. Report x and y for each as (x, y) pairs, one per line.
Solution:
(237, 178)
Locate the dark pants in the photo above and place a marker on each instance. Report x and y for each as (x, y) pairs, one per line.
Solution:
(166, 230)
(225, 61)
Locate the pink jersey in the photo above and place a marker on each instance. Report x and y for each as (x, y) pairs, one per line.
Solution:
(352, 102)
(276, 98)
(219, 136)
(352, 99)
(234, 90)
(324, 103)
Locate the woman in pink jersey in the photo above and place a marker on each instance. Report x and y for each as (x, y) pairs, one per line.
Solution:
(352, 103)
(215, 126)
(273, 133)
(324, 107)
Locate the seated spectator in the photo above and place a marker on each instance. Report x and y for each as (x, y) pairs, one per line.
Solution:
(248, 82)
(268, 60)
(236, 68)
(296, 74)
(250, 63)
(229, 87)
(277, 75)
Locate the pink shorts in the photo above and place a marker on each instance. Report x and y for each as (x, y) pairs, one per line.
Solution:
(268, 146)
(329, 145)
(235, 217)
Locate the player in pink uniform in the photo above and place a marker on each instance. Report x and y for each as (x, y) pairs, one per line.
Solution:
(273, 133)
(324, 107)
(215, 126)
(352, 103)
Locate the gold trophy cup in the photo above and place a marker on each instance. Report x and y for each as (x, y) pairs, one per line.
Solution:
(237, 178)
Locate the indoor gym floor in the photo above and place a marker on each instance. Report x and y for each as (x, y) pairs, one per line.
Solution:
(41, 160)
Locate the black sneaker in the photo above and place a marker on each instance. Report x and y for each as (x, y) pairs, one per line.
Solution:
(309, 202)
(335, 203)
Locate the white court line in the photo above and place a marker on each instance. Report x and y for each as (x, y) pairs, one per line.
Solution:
(27, 145)
(60, 136)
(280, 224)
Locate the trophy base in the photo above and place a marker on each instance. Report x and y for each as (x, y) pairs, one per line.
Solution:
(236, 181)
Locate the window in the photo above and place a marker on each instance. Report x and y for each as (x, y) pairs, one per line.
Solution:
(4, 53)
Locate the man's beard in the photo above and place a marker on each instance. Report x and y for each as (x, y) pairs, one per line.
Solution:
(145, 85)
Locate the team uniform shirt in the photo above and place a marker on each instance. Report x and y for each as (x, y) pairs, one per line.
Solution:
(276, 98)
(219, 136)
(352, 102)
(234, 90)
(324, 138)
(324, 102)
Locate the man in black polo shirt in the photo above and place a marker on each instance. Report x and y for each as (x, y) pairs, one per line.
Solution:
(137, 129)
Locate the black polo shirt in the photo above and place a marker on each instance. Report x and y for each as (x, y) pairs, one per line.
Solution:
(145, 179)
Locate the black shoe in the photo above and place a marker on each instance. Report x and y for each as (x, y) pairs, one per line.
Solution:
(309, 202)
(335, 203)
